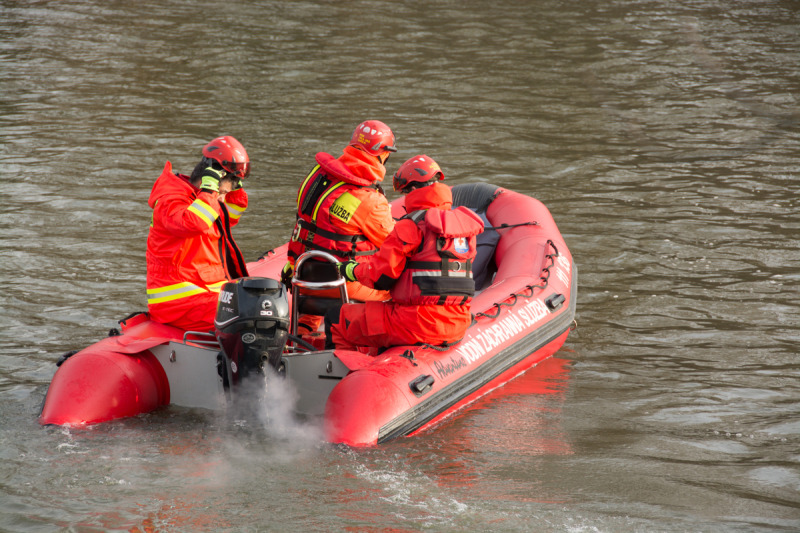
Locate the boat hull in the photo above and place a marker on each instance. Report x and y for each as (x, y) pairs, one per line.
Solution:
(523, 312)
(132, 372)
(116, 377)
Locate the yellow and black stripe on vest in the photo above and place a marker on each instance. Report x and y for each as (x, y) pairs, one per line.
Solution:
(316, 199)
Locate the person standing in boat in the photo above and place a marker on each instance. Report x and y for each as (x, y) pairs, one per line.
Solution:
(426, 264)
(190, 250)
(342, 210)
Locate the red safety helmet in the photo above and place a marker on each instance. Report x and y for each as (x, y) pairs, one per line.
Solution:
(418, 171)
(374, 137)
(229, 153)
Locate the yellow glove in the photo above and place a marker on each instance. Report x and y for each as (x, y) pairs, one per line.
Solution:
(347, 270)
(286, 275)
(210, 179)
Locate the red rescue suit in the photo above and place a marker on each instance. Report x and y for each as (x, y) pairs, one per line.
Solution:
(426, 261)
(340, 211)
(190, 250)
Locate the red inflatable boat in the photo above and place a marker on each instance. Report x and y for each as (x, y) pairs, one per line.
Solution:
(524, 306)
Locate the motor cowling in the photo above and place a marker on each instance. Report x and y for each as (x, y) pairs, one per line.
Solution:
(252, 324)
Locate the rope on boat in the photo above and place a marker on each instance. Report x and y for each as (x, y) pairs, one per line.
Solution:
(266, 254)
(545, 277)
(65, 356)
(506, 226)
(440, 347)
(409, 354)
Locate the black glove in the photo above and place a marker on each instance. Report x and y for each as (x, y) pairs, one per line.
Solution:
(347, 270)
(286, 275)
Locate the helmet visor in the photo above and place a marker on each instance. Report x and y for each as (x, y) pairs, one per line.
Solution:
(240, 170)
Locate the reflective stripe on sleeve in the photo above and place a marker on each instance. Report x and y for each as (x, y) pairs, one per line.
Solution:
(204, 211)
(234, 210)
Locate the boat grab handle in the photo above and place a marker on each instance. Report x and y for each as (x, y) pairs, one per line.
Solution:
(339, 282)
(211, 342)
(318, 285)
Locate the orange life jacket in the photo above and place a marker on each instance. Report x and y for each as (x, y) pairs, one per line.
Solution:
(440, 272)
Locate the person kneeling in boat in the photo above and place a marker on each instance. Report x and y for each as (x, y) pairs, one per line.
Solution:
(426, 264)
(190, 250)
(342, 210)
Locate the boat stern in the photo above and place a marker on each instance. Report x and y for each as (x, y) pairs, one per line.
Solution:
(96, 385)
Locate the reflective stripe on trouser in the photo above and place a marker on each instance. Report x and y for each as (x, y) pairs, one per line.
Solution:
(195, 313)
(177, 291)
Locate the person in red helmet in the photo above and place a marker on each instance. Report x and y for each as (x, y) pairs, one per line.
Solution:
(341, 209)
(190, 250)
(425, 263)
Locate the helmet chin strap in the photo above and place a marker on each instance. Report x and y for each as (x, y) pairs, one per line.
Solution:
(414, 185)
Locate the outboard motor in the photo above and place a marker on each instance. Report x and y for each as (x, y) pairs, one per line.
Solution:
(252, 325)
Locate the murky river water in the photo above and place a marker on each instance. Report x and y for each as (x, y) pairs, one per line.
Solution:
(663, 135)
